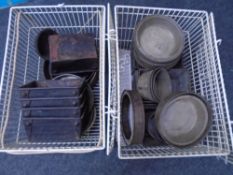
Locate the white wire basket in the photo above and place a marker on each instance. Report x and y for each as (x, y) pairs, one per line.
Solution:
(200, 58)
(112, 80)
(22, 65)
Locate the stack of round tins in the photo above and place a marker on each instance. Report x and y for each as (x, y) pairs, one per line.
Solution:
(158, 41)
(155, 85)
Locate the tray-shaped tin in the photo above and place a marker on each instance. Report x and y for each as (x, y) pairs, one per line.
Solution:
(53, 88)
(72, 47)
(86, 65)
(52, 112)
(52, 129)
(51, 102)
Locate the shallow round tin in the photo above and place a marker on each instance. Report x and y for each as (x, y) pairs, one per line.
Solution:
(132, 117)
(153, 86)
(89, 120)
(145, 63)
(66, 77)
(159, 39)
(152, 130)
(163, 84)
(183, 119)
(144, 85)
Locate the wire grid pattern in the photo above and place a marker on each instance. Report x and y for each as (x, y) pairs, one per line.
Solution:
(112, 80)
(224, 105)
(22, 65)
(202, 62)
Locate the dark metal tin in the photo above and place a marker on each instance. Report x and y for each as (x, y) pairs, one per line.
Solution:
(52, 88)
(72, 47)
(52, 112)
(42, 42)
(51, 102)
(52, 130)
(132, 117)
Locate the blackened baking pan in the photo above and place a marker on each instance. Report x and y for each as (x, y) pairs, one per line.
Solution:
(50, 130)
(58, 112)
(51, 102)
(52, 88)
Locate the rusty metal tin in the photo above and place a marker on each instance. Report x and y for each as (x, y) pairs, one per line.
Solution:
(72, 47)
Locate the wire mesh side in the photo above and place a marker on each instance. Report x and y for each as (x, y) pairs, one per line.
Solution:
(224, 104)
(203, 65)
(112, 81)
(22, 65)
